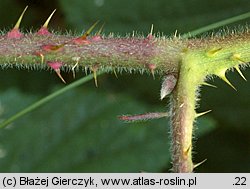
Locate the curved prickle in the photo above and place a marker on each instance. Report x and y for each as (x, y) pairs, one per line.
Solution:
(240, 73)
(56, 65)
(15, 33)
(44, 29)
(83, 39)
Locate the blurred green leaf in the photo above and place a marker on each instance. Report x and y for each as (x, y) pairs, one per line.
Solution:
(79, 132)
(229, 108)
(126, 16)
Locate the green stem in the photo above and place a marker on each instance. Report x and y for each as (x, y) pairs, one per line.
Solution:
(182, 118)
(212, 58)
(47, 99)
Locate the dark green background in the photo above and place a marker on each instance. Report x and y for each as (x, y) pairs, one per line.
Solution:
(80, 132)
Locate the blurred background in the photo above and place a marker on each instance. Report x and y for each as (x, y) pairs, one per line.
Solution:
(79, 131)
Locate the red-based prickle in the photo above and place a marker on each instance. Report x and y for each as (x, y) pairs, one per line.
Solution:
(81, 41)
(56, 65)
(43, 31)
(14, 34)
(150, 37)
(96, 38)
(152, 68)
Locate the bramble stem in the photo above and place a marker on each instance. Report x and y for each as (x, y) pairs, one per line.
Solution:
(182, 118)
(109, 53)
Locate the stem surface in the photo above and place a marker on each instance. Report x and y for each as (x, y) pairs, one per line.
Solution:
(183, 115)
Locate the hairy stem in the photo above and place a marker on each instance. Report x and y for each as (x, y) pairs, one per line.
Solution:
(182, 118)
(129, 54)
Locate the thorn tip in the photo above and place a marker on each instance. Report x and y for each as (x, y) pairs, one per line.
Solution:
(58, 72)
(46, 23)
(152, 68)
(152, 28)
(56, 67)
(86, 34)
(150, 35)
(20, 19)
(224, 78)
(101, 29)
(95, 78)
(76, 64)
(198, 164)
(208, 84)
(94, 70)
(202, 113)
(115, 74)
(239, 71)
(228, 82)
